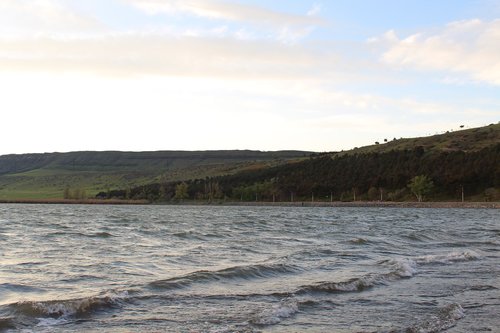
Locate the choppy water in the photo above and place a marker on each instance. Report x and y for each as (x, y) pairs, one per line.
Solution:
(248, 269)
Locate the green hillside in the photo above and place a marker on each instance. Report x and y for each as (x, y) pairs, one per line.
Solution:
(459, 163)
(467, 140)
(37, 176)
(466, 159)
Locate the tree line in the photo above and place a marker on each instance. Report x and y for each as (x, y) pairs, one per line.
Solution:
(343, 177)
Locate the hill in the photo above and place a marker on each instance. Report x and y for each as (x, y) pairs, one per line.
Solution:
(37, 176)
(467, 140)
(467, 160)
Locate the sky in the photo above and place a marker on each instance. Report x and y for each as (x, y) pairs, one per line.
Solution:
(138, 75)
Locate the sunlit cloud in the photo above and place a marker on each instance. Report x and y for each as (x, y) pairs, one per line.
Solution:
(286, 27)
(469, 47)
(158, 55)
(229, 70)
(226, 10)
(229, 114)
(21, 18)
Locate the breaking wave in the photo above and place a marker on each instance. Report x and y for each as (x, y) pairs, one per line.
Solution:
(236, 272)
(401, 269)
(448, 258)
(6, 324)
(444, 319)
(276, 314)
(56, 309)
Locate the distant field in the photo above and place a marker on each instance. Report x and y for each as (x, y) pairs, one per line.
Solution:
(45, 176)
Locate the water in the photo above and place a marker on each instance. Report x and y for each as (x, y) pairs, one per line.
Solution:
(67, 268)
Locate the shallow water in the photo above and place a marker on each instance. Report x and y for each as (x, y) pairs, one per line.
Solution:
(78, 268)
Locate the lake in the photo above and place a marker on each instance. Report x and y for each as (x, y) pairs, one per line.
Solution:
(84, 268)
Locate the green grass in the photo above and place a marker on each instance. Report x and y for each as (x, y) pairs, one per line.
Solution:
(467, 140)
(100, 171)
(40, 176)
(50, 183)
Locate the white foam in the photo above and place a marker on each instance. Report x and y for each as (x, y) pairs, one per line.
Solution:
(405, 267)
(356, 284)
(66, 308)
(43, 322)
(448, 257)
(446, 318)
(277, 313)
(62, 309)
(456, 311)
(402, 267)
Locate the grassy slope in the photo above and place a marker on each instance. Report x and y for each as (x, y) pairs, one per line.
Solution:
(37, 176)
(466, 140)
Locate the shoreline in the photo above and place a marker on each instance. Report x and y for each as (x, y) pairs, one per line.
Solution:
(375, 204)
(75, 202)
(367, 204)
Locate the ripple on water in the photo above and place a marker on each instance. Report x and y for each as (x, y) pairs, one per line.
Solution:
(235, 269)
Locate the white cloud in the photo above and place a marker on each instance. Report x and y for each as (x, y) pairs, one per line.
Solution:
(153, 112)
(226, 11)
(222, 80)
(43, 17)
(315, 10)
(470, 47)
(286, 27)
(134, 54)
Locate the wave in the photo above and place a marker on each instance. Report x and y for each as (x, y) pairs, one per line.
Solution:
(56, 309)
(444, 319)
(482, 287)
(358, 241)
(80, 234)
(418, 236)
(448, 258)
(7, 324)
(276, 314)
(190, 235)
(236, 272)
(19, 288)
(401, 269)
(101, 235)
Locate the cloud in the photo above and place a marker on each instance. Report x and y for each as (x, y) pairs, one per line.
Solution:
(286, 27)
(227, 11)
(315, 10)
(134, 54)
(470, 47)
(49, 35)
(38, 17)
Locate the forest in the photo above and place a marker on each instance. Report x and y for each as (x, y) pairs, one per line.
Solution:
(343, 177)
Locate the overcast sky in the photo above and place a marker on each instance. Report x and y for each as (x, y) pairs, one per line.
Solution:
(219, 74)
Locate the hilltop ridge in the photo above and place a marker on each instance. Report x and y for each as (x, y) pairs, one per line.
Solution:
(466, 140)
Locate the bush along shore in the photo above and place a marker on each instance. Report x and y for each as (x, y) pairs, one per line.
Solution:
(79, 201)
(408, 204)
(396, 176)
(375, 204)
